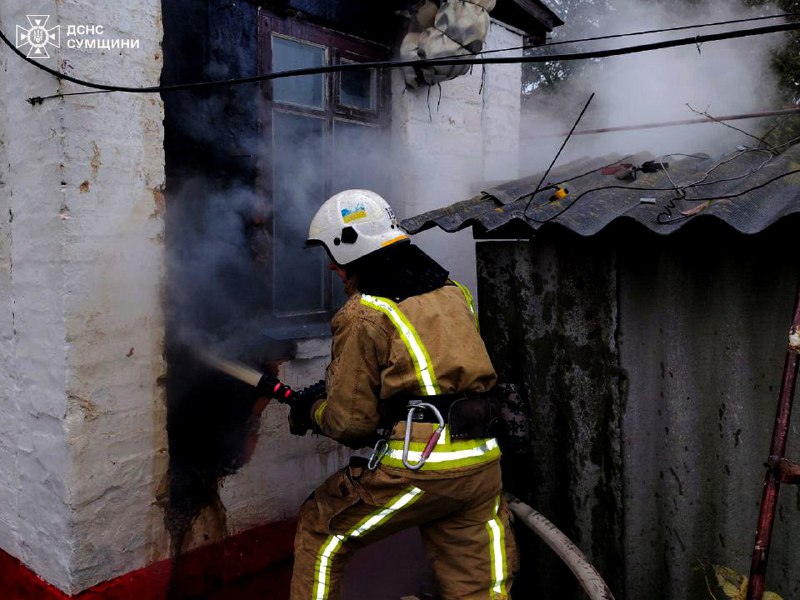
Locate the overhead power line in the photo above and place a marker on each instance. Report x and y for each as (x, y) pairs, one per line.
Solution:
(756, 115)
(695, 40)
(639, 33)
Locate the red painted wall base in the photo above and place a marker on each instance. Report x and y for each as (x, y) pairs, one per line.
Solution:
(253, 564)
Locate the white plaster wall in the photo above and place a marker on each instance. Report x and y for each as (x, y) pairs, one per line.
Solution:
(34, 462)
(83, 450)
(284, 468)
(449, 149)
(501, 111)
(9, 409)
(82, 423)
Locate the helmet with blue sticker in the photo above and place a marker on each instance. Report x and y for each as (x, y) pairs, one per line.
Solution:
(354, 223)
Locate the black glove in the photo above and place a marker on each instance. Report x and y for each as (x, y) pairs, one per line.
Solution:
(300, 404)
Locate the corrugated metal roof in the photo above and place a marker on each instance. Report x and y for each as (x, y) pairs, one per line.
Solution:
(748, 189)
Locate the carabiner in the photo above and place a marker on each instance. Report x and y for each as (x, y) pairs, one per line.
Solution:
(414, 405)
(380, 449)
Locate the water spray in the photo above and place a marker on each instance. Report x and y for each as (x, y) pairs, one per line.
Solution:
(268, 385)
(265, 383)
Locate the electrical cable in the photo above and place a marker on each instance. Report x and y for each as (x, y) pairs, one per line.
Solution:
(681, 190)
(555, 158)
(635, 33)
(570, 179)
(711, 37)
(702, 181)
(597, 189)
(748, 190)
(664, 189)
(665, 216)
(616, 162)
(668, 215)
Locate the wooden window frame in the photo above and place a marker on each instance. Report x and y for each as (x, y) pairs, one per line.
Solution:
(339, 47)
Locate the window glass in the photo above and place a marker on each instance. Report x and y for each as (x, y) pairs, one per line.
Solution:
(355, 168)
(298, 187)
(325, 134)
(357, 89)
(360, 157)
(289, 54)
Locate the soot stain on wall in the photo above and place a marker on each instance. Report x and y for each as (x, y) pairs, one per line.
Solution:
(212, 423)
(217, 290)
(217, 239)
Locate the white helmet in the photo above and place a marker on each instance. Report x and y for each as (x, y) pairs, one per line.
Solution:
(354, 223)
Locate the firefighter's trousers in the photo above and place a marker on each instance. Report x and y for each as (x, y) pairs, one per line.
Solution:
(462, 517)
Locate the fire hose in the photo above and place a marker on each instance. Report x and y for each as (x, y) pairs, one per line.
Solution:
(587, 576)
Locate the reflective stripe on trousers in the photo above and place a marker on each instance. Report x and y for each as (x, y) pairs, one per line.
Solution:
(463, 523)
(370, 522)
(497, 553)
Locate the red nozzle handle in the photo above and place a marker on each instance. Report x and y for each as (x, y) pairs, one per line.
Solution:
(271, 386)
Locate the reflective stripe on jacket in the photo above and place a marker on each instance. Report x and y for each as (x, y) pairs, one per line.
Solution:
(410, 338)
(470, 302)
(426, 344)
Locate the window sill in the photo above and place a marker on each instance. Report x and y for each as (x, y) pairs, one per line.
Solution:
(299, 332)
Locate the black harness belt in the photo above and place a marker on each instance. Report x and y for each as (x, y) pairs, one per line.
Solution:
(469, 415)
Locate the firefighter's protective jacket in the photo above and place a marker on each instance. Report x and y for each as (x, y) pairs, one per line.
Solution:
(388, 351)
(375, 361)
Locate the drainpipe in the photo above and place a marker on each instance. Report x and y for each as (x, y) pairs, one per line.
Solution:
(778, 468)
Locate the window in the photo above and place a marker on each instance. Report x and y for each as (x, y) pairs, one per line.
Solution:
(325, 132)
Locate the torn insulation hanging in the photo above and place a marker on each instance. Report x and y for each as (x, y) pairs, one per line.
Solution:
(448, 29)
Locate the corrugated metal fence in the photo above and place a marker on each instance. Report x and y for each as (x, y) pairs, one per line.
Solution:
(653, 365)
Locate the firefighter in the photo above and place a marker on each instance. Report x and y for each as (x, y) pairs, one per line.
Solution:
(411, 378)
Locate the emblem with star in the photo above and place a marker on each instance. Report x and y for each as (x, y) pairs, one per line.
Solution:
(38, 36)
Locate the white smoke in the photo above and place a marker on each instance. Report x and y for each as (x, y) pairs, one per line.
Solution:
(721, 78)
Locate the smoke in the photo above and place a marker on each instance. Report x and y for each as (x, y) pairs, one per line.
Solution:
(721, 78)
(239, 279)
(234, 284)
(216, 290)
(218, 300)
